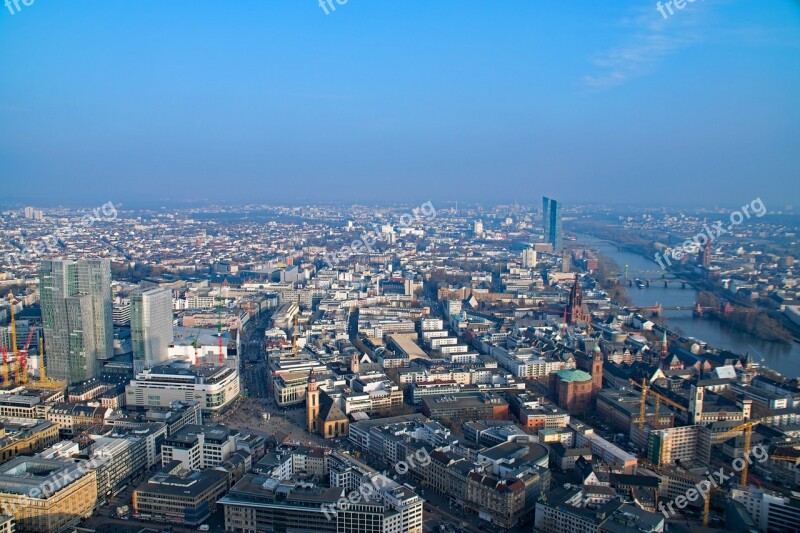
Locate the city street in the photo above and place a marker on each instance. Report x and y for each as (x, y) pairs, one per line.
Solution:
(252, 362)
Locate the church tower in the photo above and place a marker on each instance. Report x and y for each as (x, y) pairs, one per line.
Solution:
(575, 306)
(355, 364)
(312, 403)
(597, 369)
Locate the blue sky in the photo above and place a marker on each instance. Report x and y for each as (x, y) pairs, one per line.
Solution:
(400, 100)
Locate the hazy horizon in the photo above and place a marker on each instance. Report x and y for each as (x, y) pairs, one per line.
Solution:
(389, 102)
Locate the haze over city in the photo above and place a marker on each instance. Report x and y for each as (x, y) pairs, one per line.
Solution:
(399, 266)
(386, 101)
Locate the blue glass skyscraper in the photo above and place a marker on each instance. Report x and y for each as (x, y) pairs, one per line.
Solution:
(551, 219)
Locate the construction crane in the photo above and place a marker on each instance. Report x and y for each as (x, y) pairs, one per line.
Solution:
(42, 377)
(707, 503)
(195, 345)
(45, 382)
(14, 351)
(747, 429)
(22, 374)
(5, 366)
(219, 330)
(658, 399)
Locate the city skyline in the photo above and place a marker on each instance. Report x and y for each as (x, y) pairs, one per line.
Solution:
(400, 266)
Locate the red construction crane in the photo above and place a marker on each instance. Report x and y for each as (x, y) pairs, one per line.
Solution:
(23, 358)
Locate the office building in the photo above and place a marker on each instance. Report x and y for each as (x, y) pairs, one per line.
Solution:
(45, 495)
(72, 418)
(616, 458)
(475, 406)
(265, 504)
(546, 217)
(537, 413)
(199, 447)
(25, 436)
(529, 258)
(679, 445)
(551, 214)
(259, 503)
(151, 326)
(571, 509)
(77, 317)
(121, 311)
(770, 510)
(184, 496)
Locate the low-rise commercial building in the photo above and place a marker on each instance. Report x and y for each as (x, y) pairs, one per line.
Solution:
(470, 406)
(771, 511)
(176, 494)
(565, 509)
(618, 459)
(73, 418)
(45, 495)
(25, 436)
(198, 447)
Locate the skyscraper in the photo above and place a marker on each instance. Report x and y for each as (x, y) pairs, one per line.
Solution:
(529, 259)
(151, 326)
(551, 213)
(546, 218)
(77, 317)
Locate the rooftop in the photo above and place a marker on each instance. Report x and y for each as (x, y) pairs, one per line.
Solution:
(568, 375)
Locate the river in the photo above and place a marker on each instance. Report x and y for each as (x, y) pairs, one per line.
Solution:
(779, 357)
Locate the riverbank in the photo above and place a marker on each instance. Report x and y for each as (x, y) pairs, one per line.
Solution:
(678, 304)
(756, 322)
(607, 277)
(747, 318)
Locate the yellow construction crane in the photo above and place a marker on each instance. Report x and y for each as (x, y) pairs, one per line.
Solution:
(14, 353)
(45, 382)
(707, 503)
(747, 429)
(22, 363)
(42, 377)
(658, 399)
(4, 368)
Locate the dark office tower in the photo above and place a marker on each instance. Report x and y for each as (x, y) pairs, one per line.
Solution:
(546, 218)
(551, 211)
(555, 225)
(77, 317)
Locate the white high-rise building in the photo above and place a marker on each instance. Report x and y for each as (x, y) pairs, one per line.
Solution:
(151, 327)
(122, 311)
(529, 258)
